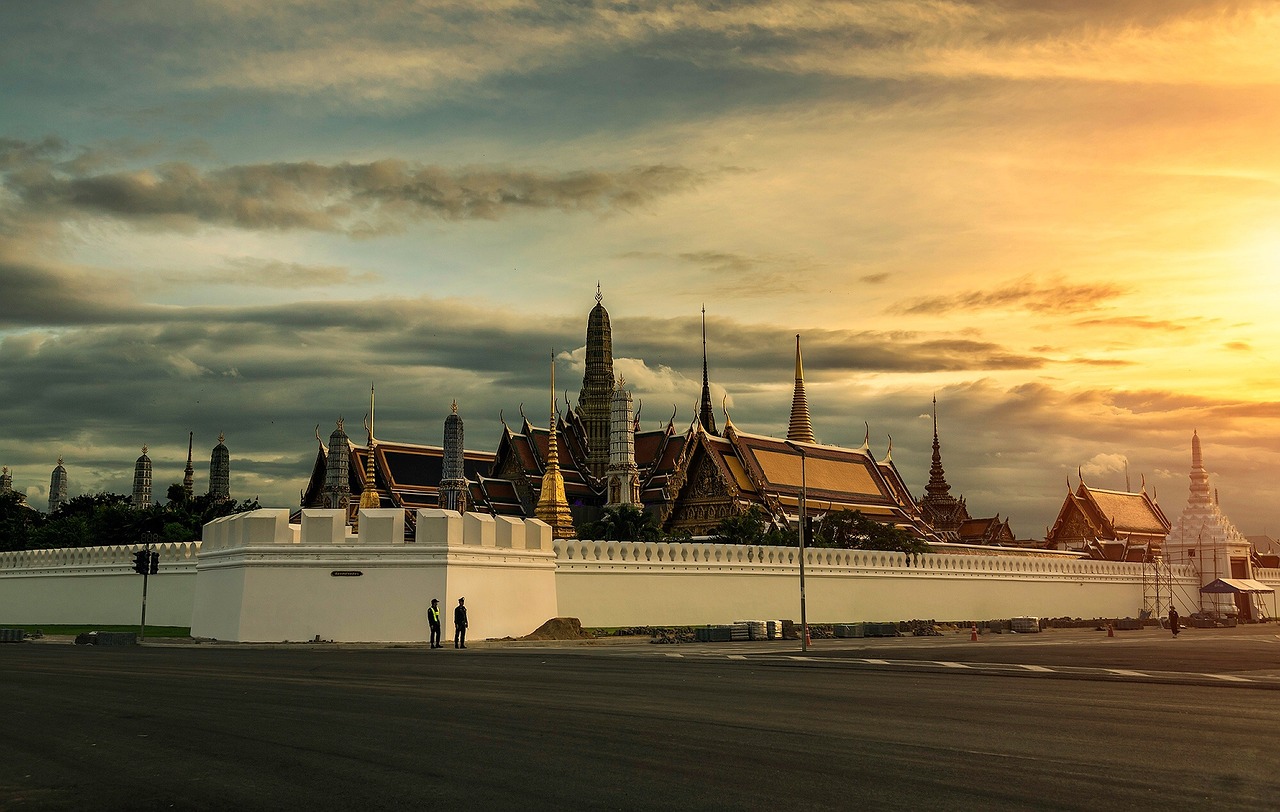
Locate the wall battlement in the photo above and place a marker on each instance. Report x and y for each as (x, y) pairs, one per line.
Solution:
(117, 558)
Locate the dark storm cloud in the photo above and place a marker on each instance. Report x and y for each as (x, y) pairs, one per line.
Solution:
(351, 198)
(1023, 294)
(45, 296)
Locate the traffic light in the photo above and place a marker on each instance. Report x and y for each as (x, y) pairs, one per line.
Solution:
(155, 563)
(141, 560)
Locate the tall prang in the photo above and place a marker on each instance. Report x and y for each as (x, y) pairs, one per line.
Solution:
(553, 505)
(800, 429)
(189, 473)
(453, 479)
(6, 480)
(337, 479)
(594, 400)
(220, 471)
(57, 486)
(623, 476)
(944, 512)
(706, 412)
(142, 481)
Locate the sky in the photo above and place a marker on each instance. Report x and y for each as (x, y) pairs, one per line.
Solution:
(1062, 219)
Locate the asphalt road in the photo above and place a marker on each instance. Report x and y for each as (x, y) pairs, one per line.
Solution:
(634, 727)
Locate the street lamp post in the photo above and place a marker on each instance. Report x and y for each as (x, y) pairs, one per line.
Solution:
(804, 620)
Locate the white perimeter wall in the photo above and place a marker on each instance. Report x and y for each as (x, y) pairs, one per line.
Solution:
(656, 583)
(96, 585)
(264, 580)
(261, 579)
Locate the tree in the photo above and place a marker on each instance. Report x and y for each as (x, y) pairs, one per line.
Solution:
(753, 526)
(623, 523)
(18, 522)
(851, 530)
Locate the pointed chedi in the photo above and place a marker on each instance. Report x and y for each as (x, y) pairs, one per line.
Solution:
(553, 505)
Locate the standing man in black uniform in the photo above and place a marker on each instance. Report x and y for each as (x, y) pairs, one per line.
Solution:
(460, 625)
(433, 620)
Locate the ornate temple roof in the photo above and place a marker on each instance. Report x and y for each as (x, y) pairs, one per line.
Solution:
(1116, 525)
(767, 471)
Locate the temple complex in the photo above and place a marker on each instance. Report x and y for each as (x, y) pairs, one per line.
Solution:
(594, 455)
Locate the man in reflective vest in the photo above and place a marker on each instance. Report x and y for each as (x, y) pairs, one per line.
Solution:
(433, 620)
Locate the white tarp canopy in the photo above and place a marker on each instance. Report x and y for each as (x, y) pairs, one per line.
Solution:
(1233, 585)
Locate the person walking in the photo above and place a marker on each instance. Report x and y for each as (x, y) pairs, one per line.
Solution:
(460, 625)
(1173, 620)
(433, 620)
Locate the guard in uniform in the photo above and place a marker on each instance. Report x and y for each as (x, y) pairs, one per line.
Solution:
(433, 620)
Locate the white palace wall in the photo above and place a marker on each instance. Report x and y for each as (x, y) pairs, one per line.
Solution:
(255, 577)
(96, 585)
(262, 579)
(656, 583)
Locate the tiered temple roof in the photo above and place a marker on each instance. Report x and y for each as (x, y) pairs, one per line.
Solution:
(725, 475)
(1112, 525)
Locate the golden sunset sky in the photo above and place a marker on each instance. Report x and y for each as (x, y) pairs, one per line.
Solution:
(1062, 218)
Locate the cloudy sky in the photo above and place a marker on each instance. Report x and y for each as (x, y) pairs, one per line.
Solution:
(1062, 218)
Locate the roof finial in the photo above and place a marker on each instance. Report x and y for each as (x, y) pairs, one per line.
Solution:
(599, 295)
(706, 412)
(454, 408)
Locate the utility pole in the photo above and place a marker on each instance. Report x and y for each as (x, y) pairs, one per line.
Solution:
(804, 620)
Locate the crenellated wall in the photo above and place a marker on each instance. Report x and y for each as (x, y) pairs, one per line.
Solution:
(256, 577)
(96, 585)
(637, 583)
(262, 579)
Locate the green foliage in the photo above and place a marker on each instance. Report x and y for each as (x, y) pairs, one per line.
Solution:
(106, 519)
(851, 530)
(753, 526)
(623, 523)
(17, 522)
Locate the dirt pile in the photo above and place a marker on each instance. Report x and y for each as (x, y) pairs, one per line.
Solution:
(559, 628)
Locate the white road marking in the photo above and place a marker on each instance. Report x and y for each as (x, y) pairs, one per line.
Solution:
(802, 659)
(952, 665)
(736, 657)
(1228, 678)
(1122, 673)
(876, 662)
(672, 654)
(1037, 668)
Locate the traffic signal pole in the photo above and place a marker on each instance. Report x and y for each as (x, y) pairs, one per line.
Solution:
(147, 560)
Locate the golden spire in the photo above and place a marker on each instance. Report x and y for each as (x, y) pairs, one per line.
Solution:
(553, 505)
(801, 428)
(369, 498)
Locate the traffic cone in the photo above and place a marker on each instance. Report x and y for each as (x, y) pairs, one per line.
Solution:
(807, 640)
(973, 636)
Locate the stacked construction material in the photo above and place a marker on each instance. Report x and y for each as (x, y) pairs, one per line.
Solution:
(851, 630)
(1025, 625)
